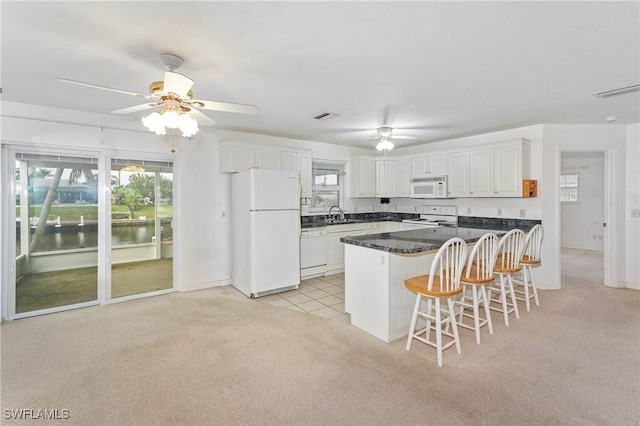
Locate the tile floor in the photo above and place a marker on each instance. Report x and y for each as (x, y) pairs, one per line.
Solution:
(321, 296)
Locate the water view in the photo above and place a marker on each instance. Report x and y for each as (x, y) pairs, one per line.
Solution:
(74, 237)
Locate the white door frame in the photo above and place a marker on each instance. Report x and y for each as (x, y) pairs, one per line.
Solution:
(610, 230)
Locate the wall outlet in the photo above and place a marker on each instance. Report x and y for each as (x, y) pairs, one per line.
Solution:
(523, 213)
(499, 212)
(635, 213)
(468, 210)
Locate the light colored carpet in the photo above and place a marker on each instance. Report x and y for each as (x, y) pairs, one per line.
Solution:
(60, 288)
(212, 357)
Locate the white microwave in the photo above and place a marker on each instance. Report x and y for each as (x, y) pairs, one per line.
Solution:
(434, 186)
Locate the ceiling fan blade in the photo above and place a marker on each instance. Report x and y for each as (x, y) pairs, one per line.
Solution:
(177, 84)
(405, 137)
(224, 106)
(135, 108)
(95, 86)
(202, 119)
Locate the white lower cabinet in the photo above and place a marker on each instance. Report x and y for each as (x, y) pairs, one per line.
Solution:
(335, 249)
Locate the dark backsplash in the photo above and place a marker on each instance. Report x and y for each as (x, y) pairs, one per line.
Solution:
(365, 217)
(496, 223)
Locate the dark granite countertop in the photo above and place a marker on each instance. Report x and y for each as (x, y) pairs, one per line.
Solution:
(416, 241)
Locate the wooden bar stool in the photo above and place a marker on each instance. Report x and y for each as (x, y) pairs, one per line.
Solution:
(507, 263)
(531, 257)
(443, 282)
(475, 277)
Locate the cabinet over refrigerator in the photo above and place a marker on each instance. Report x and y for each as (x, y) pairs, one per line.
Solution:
(265, 231)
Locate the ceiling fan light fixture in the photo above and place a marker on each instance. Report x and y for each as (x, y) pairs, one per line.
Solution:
(384, 144)
(173, 118)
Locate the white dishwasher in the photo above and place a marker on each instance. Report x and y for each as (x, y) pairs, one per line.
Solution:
(313, 252)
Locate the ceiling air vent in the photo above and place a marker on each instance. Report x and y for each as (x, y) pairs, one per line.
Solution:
(618, 91)
(326, 116)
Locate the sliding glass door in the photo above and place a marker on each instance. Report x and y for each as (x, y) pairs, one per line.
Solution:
(141, 233)
(81, 230)
(56, 227)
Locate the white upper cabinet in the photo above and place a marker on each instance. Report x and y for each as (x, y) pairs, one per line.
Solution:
(268, 159)
(498, 170)
(299, 162)
(236, 158)
(403, 177)
(481, 172)
(435, 164)
(386, 178)
(362, 179)
(458, 174)
(512, 165)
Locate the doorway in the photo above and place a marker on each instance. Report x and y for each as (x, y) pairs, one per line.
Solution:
(583, 214)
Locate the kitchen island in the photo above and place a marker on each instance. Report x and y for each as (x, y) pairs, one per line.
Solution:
(376, 266)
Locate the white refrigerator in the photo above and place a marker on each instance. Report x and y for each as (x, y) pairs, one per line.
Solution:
(265, 231)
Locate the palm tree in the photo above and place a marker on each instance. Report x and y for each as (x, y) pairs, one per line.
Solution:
(52, 193)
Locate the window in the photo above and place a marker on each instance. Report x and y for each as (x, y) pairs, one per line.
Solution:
(326, 185)
(569, 187)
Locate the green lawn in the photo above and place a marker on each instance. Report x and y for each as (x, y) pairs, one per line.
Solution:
(70, 213)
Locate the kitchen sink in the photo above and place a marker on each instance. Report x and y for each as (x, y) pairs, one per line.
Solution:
(341, 221)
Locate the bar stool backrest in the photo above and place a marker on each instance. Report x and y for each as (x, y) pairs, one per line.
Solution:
(533, 244)
(510, 250)
(447, 265)
(482, 258)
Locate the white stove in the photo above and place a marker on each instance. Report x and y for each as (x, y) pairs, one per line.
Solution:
(434, 216)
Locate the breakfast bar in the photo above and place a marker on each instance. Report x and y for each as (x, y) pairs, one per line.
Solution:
(376, 266)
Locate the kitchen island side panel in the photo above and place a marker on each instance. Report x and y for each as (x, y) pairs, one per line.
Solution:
(375, 295)
(401, 300)
(366, 288)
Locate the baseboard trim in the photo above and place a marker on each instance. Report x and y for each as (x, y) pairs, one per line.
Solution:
(202, 286)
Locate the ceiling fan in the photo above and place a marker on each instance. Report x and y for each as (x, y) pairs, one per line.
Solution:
(384, 135)
(174, 95)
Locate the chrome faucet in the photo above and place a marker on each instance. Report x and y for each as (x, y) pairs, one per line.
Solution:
(339, 209)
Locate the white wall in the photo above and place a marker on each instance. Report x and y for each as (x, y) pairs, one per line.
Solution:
(632, 201)
(582, 222)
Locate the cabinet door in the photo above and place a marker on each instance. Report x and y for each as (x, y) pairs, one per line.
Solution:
(458, 172)
(335, 252)
(419, 166)
(481, 173)
(403, 178)
(438, 164)
(234, 158)
(386, 178)
(289, 161)
(304, 166)
(429, 165)
(268, 159)
(363, 178)
(508, 170)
